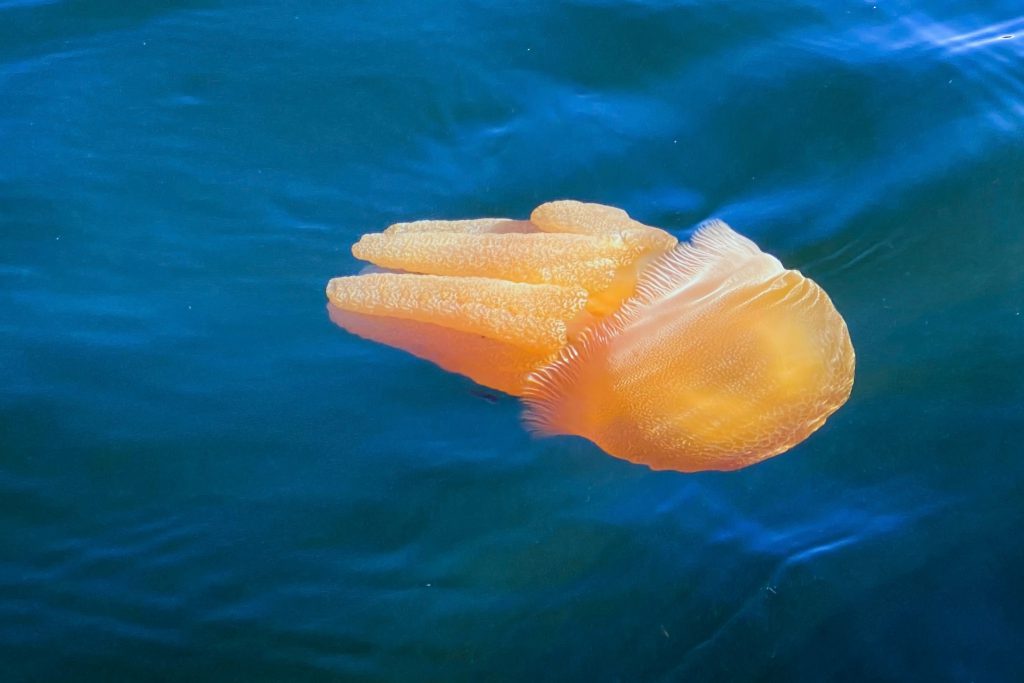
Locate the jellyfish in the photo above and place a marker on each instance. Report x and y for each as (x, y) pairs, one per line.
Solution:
(687, 356)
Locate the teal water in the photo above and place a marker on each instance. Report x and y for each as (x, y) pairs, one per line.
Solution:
(201, 478)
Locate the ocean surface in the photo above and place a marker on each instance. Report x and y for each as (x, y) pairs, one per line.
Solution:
(202, 478)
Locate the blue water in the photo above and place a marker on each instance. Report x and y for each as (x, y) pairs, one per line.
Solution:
(202, 478)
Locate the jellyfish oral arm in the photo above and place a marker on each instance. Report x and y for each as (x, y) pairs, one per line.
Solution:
(528, 287)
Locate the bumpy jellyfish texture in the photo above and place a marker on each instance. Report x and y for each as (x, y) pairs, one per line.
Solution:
(706, 355)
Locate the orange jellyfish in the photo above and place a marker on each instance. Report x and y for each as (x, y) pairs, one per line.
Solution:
(705, 355)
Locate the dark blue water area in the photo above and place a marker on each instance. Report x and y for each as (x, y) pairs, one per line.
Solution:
(202, 478)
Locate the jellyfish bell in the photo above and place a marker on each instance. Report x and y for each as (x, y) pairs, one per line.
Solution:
(696, 356)
(721, 359)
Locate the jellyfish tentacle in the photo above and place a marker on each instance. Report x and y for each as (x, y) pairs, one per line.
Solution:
(564, 259)
(495, 364)
(525, 291)
(584, 218)
(472, 226)
(531, 316)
